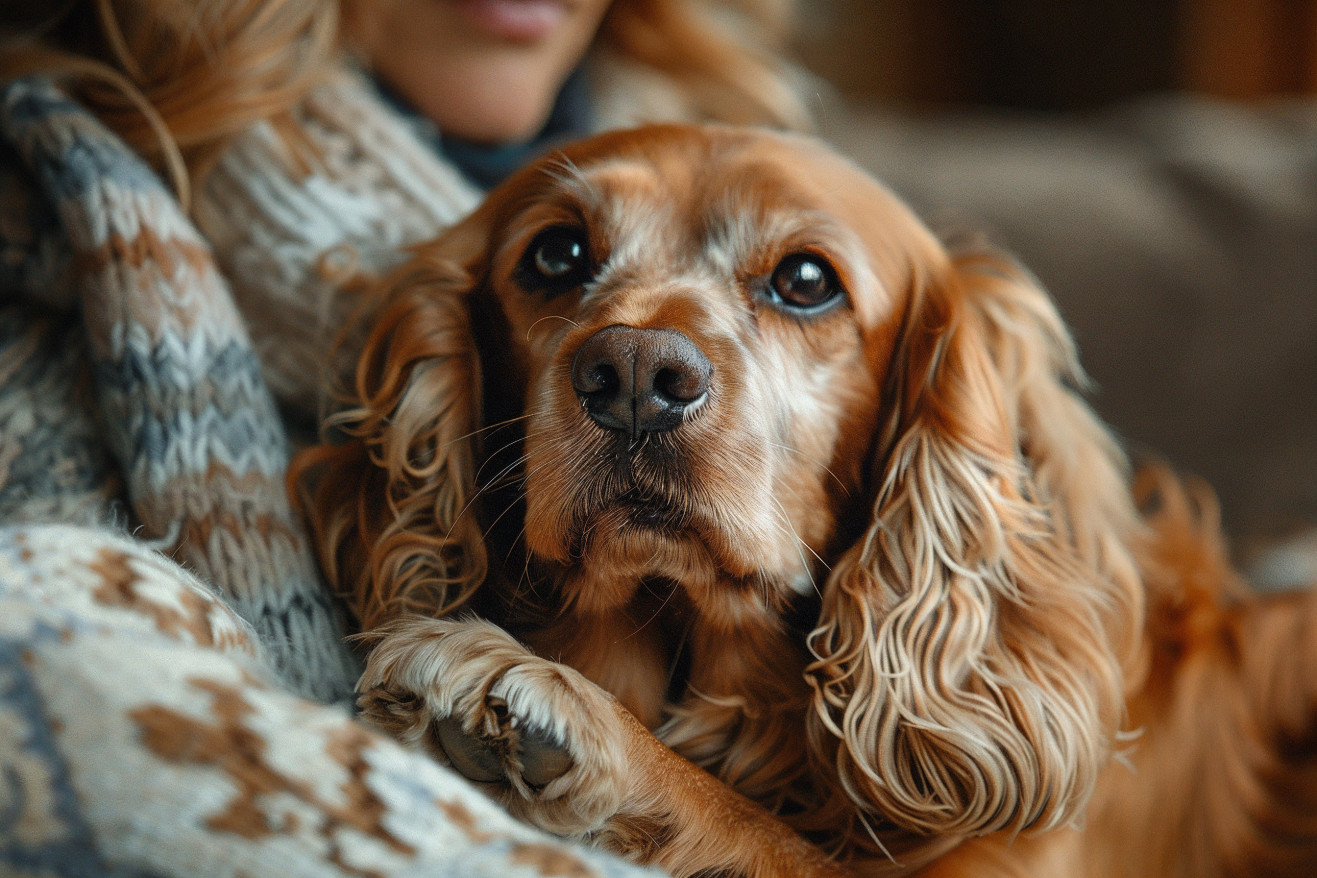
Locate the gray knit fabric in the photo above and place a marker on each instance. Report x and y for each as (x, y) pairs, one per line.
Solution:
(163, 377)
(53, 464)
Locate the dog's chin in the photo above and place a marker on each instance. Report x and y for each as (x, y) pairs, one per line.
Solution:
(634, 523)
(620, 542)
(647, 513)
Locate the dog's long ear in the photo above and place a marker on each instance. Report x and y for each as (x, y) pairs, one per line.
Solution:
(973, 647)
(389, 501)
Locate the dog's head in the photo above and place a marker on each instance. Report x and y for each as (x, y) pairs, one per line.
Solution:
(743, 367)
(698, 326)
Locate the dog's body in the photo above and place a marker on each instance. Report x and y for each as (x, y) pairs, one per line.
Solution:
(816, 502)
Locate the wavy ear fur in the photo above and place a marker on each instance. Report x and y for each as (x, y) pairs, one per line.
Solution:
(389, 507)
(973, 650)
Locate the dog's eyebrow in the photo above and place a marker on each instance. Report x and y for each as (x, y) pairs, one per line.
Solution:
(744, 229)
(604, 181)
(739, 230)
(567, 174)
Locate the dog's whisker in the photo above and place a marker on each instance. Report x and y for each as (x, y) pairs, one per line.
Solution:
(498, 480)
(677, 651)
(808, 459)
(531, 328)
(512, 550)
(654, 615)
(480, 491)
(789, 530)
(489, 429)
(524, 582)
(493, 456)
(498, 518)
(519, 497)
(506, 476)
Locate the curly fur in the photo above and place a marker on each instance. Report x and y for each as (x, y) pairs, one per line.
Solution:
(980, 634)
(399, 541)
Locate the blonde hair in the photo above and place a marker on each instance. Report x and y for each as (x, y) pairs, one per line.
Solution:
(178, 78)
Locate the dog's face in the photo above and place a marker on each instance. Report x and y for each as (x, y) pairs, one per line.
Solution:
(701, 319)
(743, 367)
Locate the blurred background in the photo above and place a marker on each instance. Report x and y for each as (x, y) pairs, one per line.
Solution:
(1154, 162)
(1059, 55)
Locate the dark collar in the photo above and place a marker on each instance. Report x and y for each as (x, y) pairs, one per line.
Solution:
(487, 165)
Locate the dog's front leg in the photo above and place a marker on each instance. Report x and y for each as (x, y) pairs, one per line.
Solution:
(562, 754)
(680, 817)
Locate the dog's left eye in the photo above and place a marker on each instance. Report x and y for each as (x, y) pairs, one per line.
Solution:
(557, 260)
(804, 282)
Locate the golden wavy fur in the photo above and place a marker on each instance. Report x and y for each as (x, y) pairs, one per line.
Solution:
(709, 421)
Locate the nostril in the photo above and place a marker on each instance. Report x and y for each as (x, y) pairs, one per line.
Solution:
(602, 378)
(666, 383)
(600, 393)
(598, 381)
(682, 386)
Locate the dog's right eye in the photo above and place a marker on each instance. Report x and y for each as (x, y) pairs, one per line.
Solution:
(557, 260)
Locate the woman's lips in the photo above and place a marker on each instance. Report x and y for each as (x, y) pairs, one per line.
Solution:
(520, 21)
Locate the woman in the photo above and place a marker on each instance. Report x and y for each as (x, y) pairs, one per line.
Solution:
(190, 194)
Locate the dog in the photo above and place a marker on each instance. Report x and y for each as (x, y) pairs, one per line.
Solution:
(696, 500)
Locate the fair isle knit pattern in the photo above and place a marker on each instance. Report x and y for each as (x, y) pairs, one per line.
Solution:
(182, 404)
(142, 735)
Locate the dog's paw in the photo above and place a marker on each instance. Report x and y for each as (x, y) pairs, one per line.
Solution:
(536, 735)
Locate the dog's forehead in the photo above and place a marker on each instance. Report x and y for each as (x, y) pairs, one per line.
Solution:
(686, 174)
(730, 198)
(696, 171)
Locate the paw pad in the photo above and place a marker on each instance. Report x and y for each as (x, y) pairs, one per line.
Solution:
(503, 749)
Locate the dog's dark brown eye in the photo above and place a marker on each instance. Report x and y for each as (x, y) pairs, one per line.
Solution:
(557, 260)
(804, 282)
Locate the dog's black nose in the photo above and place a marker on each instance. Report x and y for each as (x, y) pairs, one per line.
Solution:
(639, 380)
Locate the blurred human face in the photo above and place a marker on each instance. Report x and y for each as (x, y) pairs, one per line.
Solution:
(483, 70)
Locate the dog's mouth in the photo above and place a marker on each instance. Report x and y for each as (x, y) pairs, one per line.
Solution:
(621, 509)
(606, 517)
(666, 501)
(651, 511)
(646, 486)
(630, 511)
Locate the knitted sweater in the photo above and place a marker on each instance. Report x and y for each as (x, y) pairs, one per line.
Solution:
(289, 242)
(156, 388)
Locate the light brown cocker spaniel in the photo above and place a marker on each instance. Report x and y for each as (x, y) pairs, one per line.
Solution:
(698, 501)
